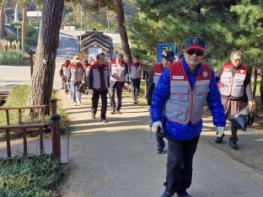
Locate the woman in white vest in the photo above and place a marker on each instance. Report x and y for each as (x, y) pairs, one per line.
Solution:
(135, 76)
(118, 72)
(76, 76)
(235, 89)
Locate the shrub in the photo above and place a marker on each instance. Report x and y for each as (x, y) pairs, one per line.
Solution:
(13, 57)
(29, 176)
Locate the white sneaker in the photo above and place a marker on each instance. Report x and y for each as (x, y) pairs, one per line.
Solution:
(78, 102)
(75, 103)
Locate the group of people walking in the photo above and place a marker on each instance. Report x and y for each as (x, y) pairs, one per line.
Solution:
(178, 89)
(102, 78)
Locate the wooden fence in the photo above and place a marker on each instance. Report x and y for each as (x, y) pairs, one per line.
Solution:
(40, 126)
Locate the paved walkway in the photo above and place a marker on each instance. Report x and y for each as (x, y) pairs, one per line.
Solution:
(118, 159)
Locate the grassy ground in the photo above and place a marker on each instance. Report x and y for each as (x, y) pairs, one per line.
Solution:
(33, 176)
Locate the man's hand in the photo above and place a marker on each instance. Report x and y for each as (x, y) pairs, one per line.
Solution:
(220, 131)
(251, 105)
(157, 126)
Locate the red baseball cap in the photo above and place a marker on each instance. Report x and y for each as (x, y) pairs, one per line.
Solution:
(195, 43)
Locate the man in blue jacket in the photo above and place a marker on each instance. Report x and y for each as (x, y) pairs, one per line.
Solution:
(177, 102)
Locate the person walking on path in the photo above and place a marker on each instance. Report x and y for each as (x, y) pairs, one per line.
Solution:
(136, 69)
(64, 75)
(153, 78)
(235, 89)
(87, 67)
(118, 72)
(98, 85)
(177, 102)
(76, 76)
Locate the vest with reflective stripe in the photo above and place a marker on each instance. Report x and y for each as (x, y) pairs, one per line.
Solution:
(87, 69)
(76, 72)
(135, 71)
(65, 69)
(184, 104)
(230, 85)
(157, 71)
(118, 71)
(96, 76)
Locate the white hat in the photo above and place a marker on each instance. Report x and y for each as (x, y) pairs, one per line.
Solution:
(76, 59)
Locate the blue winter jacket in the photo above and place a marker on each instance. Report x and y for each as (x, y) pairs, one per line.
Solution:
(188, 131)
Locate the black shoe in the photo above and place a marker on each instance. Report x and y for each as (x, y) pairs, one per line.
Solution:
(112, 112)
(219, 140)
(161, 151)
(166, 194)
(185, 194)
(103, 120)
(233, 143)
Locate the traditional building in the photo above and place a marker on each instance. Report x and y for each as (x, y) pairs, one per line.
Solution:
(94, 42)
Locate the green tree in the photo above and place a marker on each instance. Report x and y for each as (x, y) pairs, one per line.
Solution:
(225, 25)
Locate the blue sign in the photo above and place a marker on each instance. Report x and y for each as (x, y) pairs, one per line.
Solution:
(163, 47)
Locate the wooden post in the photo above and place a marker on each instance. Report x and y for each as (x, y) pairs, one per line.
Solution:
(31, 115)
(8, 146)
(31, 53)
(25, 141)
(20, 116)
(7, 117)
(54, 106)
(41, 143)
(55, 132)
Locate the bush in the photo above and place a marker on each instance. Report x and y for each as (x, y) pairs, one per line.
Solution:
(32, 176)
(31, 36)
(10, 38)
(13, 57)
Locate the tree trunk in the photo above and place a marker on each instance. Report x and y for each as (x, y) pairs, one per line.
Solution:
(23, 30)
(255, 74)
(122, 29)
(2, 20)
(48, 40)
(261, 89)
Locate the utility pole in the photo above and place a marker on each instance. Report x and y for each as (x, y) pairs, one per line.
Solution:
(16, 20)
(81, 24)
(108, 19)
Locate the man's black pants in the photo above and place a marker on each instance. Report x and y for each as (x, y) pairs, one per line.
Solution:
(95, 100)
(179, 165)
